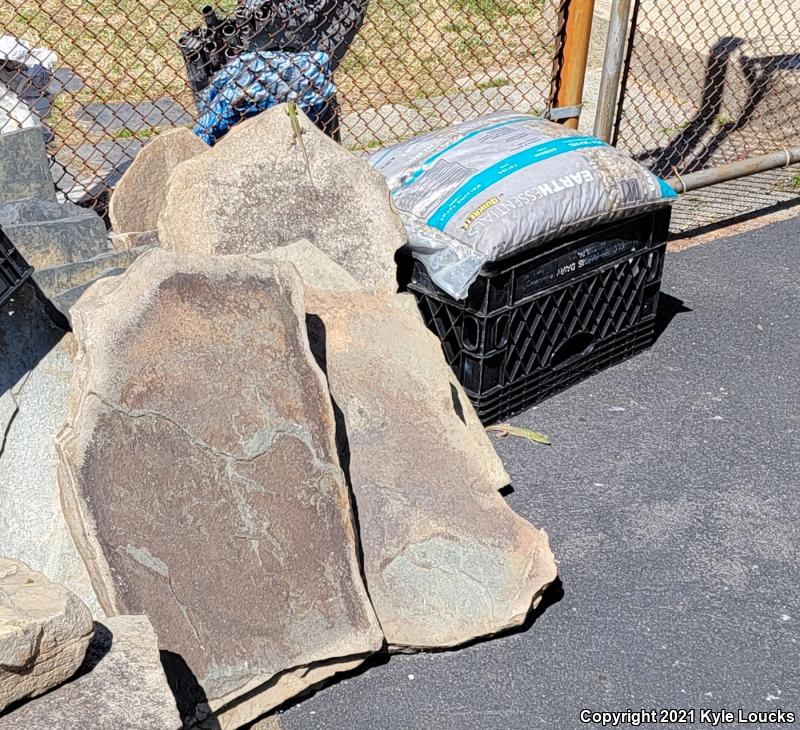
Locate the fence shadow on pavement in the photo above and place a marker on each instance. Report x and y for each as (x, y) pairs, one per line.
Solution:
(692, 148)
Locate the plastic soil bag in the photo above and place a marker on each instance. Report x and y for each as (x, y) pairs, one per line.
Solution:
(485, 189)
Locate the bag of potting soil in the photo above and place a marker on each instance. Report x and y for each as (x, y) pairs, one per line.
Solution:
(258, 80)
(485, 189)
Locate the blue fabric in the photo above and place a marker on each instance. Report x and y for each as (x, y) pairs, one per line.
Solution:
(492, 175)
(258, 80)
(666, 190)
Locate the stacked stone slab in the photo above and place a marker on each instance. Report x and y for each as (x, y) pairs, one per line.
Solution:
(253, 192)
(24, 167)
(66, 244)
(201, 482)
(121, 684)
(44, 633)
(445, 559)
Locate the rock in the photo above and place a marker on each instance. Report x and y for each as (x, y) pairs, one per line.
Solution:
(44, 632)
(24, 167)
(229, 525)
(139, 195)
(58, 279)
(445, 559)
(318, 271)
(50, 234)
(252, 193)
(133, 239)
(120, 686)
(64, 285)
(35, 375)
(322, 276)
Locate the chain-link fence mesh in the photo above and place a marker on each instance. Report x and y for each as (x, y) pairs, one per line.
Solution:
(119, 74)
(710, 82)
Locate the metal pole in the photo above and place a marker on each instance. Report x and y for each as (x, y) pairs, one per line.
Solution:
(734, 170)
(612, 68)
(577, 32)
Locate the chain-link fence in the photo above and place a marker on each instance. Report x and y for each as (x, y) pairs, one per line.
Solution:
(709, 82)
(118, 70)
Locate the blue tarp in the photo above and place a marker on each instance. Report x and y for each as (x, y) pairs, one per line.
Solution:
(256, 81)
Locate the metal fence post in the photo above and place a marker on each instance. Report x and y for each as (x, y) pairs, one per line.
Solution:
(575, 53)
(612, 68)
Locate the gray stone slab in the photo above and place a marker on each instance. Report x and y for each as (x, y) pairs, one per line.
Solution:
(24, 166)
(120, 686)
(59, 279)
(49, 234)
(445, 559)
(38, 361)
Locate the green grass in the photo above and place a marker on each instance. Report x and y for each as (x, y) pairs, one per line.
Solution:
(138, 134)
(126, 50)
(492, 83)
(488, 9)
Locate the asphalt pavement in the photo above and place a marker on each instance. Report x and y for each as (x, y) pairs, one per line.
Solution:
(671, 495)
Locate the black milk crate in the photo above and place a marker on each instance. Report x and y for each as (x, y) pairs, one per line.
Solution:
(542, 320)
(14, 270)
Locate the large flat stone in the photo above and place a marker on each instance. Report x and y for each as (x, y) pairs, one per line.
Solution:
(50, 234)
(139, 196)
(44, 632)
(322, 277)
(35, 373)
(229, 523)
(445, 559)
(24, 166)
(252, 192)
(120, 686)
(58, 279)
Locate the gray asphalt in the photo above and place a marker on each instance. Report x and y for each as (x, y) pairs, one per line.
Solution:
(671, 497)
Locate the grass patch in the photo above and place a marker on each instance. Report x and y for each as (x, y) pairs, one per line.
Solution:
(130, 134)
(488, 9)
(492, 83)
(126, 50)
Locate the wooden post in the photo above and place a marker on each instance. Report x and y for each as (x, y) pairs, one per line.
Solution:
(577, 32)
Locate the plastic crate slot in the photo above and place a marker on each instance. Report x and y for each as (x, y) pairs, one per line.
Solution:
(579, 345)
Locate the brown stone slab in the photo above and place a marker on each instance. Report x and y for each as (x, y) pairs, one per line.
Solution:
(445, 559)
(200, 477)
